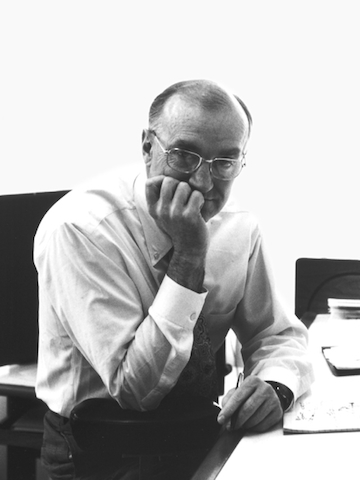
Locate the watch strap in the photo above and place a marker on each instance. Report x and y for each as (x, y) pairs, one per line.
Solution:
(285, 395)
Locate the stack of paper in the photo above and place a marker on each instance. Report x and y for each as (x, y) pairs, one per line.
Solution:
(343, 360)
(344, 307)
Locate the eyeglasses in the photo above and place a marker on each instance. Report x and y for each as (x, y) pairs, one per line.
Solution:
(184, 161)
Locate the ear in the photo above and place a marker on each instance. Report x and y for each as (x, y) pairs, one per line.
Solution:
(146, 146)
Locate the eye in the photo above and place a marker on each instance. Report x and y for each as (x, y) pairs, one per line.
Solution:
(183, 155)
(183, 159)
(226, 169)
(226, 164)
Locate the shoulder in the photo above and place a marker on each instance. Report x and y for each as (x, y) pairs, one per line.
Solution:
(85, 207)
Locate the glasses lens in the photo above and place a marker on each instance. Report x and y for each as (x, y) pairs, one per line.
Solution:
(182, 161)
(225, 169)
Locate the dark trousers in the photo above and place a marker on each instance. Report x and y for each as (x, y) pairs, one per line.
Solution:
(64, 460)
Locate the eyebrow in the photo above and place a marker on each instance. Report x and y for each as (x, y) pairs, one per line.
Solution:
(193, 147)
(230, 152)
(185, 145)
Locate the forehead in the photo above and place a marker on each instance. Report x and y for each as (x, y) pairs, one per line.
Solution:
(184, 118)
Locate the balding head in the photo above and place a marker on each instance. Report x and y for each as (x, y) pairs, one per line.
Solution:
(205, 94)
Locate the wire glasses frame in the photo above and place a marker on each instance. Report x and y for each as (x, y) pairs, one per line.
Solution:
(231, 167)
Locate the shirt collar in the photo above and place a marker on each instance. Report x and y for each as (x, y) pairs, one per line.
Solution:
(158, 242)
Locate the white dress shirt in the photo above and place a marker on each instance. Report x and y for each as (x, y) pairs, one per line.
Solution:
(113, 324)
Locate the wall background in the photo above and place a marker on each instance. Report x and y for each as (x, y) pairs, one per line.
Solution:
(77, 78)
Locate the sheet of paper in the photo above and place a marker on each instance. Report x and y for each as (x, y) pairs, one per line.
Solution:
(313, 414)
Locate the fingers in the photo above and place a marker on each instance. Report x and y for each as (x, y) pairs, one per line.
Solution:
(186, 201)
(253, 406)
(258, 419)
(263, 420)
(176, 209)
(153, 188)
(175, 194)
(167, 193)
(235, 399)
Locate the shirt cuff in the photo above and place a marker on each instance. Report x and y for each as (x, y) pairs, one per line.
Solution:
(280, 375)
(177, 304)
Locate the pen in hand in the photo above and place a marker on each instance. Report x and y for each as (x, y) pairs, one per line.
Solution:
(238, 385)
(224, 417)
(240, 379)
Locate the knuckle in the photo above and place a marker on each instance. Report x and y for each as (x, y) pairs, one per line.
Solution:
(170, 182)
(166, 186)
(184, 186)
(197, 194)
(183, 190)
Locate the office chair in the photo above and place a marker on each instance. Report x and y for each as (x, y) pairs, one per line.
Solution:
(21, 430)
(317, 279)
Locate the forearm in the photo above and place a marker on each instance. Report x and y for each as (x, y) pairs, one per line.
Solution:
(274, 341)
(151, 366)
(160, 349)
(188, 271)
(281, 356)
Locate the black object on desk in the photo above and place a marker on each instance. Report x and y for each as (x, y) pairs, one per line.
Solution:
(317, 279)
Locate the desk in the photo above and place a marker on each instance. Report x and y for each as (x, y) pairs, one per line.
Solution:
(18, 380)
(21, 425)
(329, 456)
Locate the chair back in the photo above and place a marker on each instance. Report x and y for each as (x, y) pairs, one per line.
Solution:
(20, 215)
(318, 279)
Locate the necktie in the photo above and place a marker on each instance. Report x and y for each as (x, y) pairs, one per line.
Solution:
(199, 375)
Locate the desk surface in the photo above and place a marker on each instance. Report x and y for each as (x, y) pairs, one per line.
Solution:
(18, 379)
(329, 456)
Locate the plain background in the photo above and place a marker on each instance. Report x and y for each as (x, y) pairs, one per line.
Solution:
(77, 78)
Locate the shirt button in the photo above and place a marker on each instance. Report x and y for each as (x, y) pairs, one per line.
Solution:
(156, 255)
(193, 316)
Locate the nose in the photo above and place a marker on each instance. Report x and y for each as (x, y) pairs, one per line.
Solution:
(201, 179)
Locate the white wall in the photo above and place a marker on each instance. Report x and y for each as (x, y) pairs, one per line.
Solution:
(77, 78)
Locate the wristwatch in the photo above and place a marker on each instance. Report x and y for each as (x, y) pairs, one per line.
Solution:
(285, 395)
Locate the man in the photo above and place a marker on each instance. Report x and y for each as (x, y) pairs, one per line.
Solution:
(127, 267)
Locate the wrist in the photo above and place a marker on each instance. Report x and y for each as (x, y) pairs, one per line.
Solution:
(187, 271)
(284, 394)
